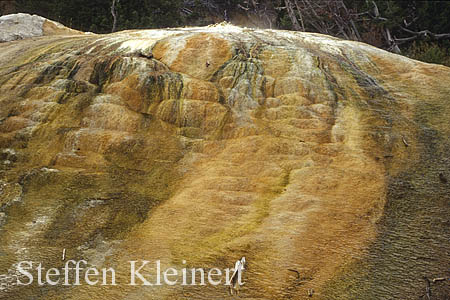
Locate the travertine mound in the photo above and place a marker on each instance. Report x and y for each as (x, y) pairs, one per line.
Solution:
(22, 26)
(298, 151)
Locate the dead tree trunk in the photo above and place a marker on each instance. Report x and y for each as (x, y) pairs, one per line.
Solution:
(291, 13)
(299, 11)
(114, 15)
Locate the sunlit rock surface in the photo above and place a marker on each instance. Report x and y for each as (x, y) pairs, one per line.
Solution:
(298, 151)
(22, 26)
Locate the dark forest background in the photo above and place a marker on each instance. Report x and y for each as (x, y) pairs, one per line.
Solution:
(418, 29)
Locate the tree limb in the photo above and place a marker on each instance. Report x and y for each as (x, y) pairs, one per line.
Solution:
(426, 33)
(409, 24)
(291, 14)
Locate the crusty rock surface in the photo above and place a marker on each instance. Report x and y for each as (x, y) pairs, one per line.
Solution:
(296, 150)
(22, 26)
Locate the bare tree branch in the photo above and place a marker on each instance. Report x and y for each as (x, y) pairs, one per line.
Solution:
(321, 27)
(400, 41)
(393, 45)
(336, 18)
(427, 33)
(375, 10)
(244, 8)
(291, 13)
(410, 23)
(299, 11)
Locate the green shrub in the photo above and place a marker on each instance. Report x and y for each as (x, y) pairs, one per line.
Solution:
(430, 52)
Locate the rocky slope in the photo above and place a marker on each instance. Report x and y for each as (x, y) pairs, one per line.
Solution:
(296, 150)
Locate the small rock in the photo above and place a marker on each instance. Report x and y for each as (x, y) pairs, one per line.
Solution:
(47, 170)
(147, 53)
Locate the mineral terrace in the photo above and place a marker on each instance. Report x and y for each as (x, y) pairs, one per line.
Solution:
(324, 162)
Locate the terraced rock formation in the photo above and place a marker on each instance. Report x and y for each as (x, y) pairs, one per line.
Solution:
(296, 150)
